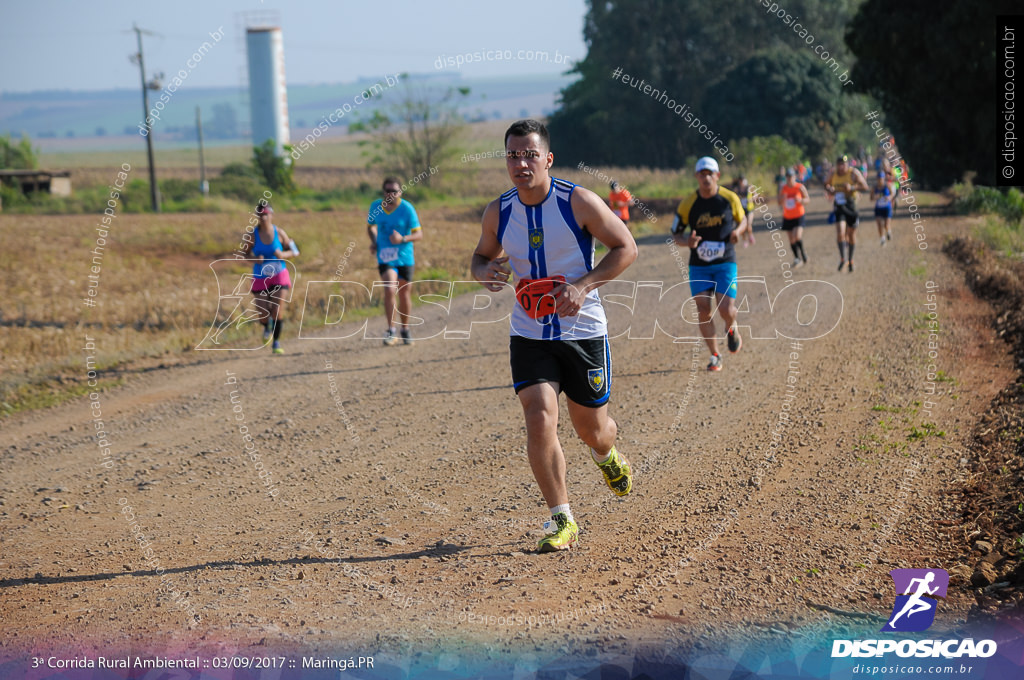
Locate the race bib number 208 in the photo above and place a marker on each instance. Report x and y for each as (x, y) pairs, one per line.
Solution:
(710, 250)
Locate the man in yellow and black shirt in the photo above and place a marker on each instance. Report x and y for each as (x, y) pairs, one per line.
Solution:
(842, 185)
(716, 220)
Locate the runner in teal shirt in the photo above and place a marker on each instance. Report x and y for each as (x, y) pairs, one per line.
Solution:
(392, 225)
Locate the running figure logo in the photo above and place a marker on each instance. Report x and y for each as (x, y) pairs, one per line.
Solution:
(235, 308)
(916, 590)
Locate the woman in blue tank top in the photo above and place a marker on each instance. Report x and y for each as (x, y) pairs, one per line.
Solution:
(271, 282)
(882, 195)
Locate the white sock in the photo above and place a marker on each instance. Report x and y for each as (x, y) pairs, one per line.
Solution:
(593, 454)
(564, 508)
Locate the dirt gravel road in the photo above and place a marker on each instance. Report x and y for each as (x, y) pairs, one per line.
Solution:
(400, 514)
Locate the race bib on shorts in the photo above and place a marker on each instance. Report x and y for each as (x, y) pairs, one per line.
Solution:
(840, 198)
(790, 203)
(710, 250)
(534, 295)
(388, 254)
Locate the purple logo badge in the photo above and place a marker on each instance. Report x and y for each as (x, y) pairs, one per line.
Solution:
(916, 590)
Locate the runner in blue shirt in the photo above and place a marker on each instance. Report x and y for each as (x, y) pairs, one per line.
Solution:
(271, 282)
(393, 225)
(882, 195)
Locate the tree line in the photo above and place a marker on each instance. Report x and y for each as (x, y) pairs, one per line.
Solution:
(806, 70)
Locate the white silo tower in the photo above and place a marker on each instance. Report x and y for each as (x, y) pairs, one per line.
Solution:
(268, 99)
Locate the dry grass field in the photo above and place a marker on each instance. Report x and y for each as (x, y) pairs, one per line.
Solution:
(156, 291)
(157, 294)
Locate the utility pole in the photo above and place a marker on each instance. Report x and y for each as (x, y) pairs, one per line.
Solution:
(154, 191)
(204, 186)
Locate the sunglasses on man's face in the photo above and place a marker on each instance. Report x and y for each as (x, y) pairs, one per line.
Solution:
(392, 191)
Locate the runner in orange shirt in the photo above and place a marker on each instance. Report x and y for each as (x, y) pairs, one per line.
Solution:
(792, 197)
(619, 201)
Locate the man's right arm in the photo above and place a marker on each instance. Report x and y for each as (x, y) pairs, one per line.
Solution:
(371, 231)
(487, 266)
(679, 228)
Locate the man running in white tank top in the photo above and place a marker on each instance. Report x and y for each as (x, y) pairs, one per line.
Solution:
(540, 237)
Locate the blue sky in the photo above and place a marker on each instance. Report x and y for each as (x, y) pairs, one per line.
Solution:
(64, 44)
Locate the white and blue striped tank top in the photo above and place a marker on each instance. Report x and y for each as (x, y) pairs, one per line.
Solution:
(544, 240)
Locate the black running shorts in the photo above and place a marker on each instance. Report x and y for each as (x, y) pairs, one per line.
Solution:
(791, 223)
(404, 271)
(847, 213)
(581, 368)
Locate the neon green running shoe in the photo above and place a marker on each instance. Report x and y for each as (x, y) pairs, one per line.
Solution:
(618, 475)
(564, 536)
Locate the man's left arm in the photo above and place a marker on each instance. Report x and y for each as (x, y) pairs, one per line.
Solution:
(415, 233)
(862, 184)
(741, 218)
(592, 214)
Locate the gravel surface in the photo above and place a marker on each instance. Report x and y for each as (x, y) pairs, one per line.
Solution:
(400, 513)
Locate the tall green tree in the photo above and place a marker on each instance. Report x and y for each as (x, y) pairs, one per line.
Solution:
(933, 70)
(798, 98)
(680, 47)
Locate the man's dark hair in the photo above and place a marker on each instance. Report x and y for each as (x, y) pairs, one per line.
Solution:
(527, 126)
(391, 180)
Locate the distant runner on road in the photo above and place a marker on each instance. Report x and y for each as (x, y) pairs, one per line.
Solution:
(882, 194)
(843, 184)
(271, 280)
(716, 221)
(540, 236)
(741, 187)
(792, 198)
(393, 226)
(619, 200)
